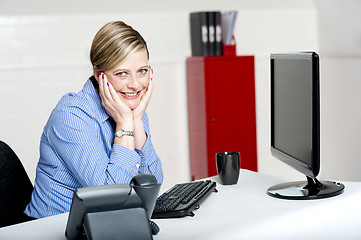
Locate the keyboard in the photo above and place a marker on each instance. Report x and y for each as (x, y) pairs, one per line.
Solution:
(182, 199)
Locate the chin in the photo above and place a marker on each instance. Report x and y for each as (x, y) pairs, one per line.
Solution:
(133, 106)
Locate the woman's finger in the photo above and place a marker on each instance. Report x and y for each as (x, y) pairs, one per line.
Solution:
(106, 91)
(101, 87)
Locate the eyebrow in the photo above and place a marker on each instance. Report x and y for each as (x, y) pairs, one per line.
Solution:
(126, 69)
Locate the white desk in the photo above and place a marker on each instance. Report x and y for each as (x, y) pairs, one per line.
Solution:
(242, 211)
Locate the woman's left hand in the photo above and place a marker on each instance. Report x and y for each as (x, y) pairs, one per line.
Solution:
(144, 102)
(140, 136)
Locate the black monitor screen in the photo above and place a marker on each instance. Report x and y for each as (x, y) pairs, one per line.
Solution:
(295, 124)
(295, 110)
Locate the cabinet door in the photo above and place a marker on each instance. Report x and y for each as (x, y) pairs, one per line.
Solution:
(197, 118)
(230, 109)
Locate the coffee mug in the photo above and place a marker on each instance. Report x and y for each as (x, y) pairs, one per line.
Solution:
(228, 165)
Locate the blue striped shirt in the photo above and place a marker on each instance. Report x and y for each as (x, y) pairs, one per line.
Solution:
(77, 150)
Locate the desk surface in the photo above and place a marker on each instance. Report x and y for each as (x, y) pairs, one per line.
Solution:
(242, 211)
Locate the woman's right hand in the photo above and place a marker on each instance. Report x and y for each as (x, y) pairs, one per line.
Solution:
(115, 107)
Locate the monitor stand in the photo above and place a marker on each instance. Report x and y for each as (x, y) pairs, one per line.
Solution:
(303, 190)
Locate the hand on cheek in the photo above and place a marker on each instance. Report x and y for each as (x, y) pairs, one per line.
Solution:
(112, 103)
(144, 102)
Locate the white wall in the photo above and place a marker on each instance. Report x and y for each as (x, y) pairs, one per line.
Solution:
(340, 46)
(44, 54)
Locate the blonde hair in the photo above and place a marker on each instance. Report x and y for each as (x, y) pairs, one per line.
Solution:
(113, 43)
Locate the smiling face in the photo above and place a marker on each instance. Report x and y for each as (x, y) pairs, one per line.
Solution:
(130, 78)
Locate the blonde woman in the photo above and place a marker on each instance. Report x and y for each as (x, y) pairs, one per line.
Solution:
(99, 135)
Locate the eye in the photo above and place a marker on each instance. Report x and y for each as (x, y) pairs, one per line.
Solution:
(143, 71)
(121, 74)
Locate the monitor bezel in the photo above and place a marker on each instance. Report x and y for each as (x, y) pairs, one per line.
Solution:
(313, 169)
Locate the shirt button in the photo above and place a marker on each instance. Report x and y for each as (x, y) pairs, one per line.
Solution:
(137, 165)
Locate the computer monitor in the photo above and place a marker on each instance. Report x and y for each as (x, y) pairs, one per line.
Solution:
(295, 124)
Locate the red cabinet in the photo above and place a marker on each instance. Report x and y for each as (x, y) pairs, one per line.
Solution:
(221, 111)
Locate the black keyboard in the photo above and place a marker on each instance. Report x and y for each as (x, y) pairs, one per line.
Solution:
(182, 199)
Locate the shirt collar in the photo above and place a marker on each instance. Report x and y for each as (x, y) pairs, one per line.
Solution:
(93, 97)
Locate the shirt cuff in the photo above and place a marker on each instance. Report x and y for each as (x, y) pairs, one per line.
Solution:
(146, 154)
(125, 157)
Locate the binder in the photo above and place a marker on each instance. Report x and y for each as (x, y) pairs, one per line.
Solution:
(199, 34)
(211, 33)
(218, 28)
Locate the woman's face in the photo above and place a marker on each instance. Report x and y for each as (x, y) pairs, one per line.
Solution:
(131, 78)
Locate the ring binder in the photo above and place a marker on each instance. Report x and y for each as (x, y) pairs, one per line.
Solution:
(212, 33)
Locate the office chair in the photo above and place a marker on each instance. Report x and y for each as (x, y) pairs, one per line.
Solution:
(15, 188)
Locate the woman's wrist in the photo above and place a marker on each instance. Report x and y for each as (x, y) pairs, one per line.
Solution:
(140, 137)
(125, 125)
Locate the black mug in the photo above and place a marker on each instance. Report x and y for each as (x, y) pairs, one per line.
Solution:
(228, 165)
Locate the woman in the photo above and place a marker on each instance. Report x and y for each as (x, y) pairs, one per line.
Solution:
(99, 135)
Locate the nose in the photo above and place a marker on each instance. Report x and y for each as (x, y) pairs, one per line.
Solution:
(133, 82)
